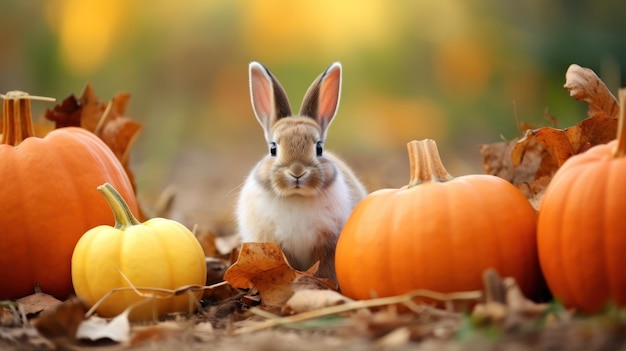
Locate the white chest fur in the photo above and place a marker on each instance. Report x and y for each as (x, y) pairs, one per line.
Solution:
(295, 222)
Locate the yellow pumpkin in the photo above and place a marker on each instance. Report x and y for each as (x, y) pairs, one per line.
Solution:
(157, 254)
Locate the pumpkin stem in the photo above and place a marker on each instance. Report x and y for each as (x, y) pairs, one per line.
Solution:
(17, 121)
(425, 163)
(620, 149)
(122, 214)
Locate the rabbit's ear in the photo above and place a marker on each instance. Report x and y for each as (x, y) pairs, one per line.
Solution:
(269, 99)
(322, 98)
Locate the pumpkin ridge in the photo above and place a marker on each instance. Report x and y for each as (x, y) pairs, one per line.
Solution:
(480, 218)
(620, 147)
(89, 295)
(614, 181)
(578, 286)
(566, 281)
(30, 223)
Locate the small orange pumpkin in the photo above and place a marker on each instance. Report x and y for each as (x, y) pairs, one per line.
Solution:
(438, 233)
(49, 199)
(582, 226)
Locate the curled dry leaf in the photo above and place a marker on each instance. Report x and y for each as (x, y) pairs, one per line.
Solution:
(530, 162)
(561, 144)
(106, 120)
(84, 112)
(264, 266)
(584, 85)
(313, 299)
(599, 128)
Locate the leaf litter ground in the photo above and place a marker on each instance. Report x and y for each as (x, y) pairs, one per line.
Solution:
(278, 308)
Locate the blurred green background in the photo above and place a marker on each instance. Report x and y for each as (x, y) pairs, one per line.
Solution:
(457, 71)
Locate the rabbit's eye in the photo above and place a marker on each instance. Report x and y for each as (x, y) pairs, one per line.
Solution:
(273, 149)
(319, 148)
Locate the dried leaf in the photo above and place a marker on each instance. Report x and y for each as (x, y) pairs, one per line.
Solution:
(583, 84)
(534, 190)
(35, 303)
(66, 114)
(561, 144)
(62, 321)
(91, 109)
(227, 243)
(96, 328)
(10, 316)
(497, 161)
(528, 176)
(159, 332)
(599, 128)
(264, 266)
(116, 130)
(207, 241)
(310, 282)
(309, 300)
(84, 112)
(530, 162)
(505, 303)
(215, 269)
(107, 121)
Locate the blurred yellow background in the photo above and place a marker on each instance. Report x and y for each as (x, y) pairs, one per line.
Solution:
(457, 71)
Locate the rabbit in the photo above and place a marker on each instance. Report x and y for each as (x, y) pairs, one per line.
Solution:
(299, 195)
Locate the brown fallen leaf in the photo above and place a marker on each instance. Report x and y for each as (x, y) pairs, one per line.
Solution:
(62, 321)
(84, 112)
(528, 175)
(35, 303)
(562, 144)
(584, 85)
(118, 131)
(106, 120)
(264, 266)
(313, 299)
(599, 128)
(530, 162)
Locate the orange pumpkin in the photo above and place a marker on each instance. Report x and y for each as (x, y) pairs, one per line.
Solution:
(438, 233)
(582, 226)
(49, 198)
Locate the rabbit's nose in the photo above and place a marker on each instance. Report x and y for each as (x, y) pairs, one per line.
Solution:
(297, 175)
(297, 171)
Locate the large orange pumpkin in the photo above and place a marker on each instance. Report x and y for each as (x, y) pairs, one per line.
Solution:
(438, 233)
(48, 199)
(582, 226)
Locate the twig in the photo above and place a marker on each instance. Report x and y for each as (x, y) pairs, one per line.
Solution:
(355, 305)
(168, 293)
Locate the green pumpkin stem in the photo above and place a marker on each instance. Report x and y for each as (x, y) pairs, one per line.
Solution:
(17, 121)
(620, 149)
(122, 214)
(425, 163)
